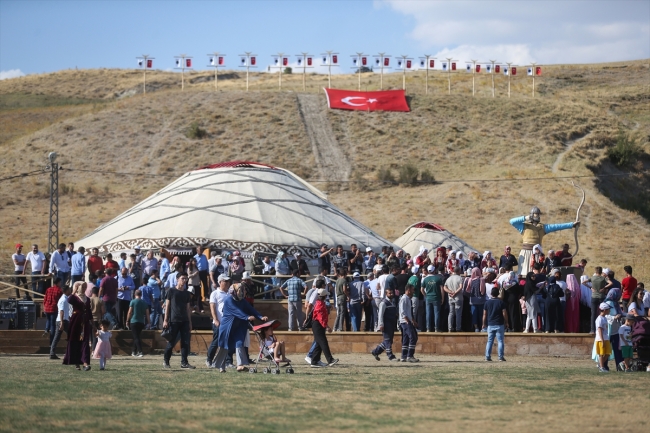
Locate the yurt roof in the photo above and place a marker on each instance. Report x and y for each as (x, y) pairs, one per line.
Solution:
(240, 205)
(431, 236)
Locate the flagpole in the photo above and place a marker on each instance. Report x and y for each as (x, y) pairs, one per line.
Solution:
(426, 80)
(215, 56)
(381, 56)
(304, 71)
(509, 74)
(144, 64)
(449, 74)
(492, 71)
(533, 70)
(473, 77)
(247, 55)
(404, 58)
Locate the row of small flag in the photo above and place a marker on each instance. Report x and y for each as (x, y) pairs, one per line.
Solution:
(358, 61)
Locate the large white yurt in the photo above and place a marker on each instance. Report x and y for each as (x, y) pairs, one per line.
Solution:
(431, 236)
(237, 205)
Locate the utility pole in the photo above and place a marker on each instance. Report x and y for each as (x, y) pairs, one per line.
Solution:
(145, 62)
(307, 62)
(473, 77)
(183, 62)
(53, 229)
(360, 60)
(492, 71)
(330, 59)
(451, 65)
(216, 61)
(248, 60)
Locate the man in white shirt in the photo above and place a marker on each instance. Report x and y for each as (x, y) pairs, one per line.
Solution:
(59, 266)
(19, 269)
(36, 260)
(62, 320)
(217, 299)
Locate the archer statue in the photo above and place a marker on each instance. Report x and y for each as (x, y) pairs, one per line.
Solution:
(533, 232)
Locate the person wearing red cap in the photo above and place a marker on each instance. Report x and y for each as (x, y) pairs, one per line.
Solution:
(19, 269)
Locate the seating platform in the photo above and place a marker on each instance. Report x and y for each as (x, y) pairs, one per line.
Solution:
(458, 343)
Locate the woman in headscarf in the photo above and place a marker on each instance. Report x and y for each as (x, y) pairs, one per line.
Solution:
(530, 297)
(461, 259)
(476, 289)
(80, 328)
(440, 258)
(572, 311)
(488, 261)
(452, 262)
(422, 259)
(538, 257)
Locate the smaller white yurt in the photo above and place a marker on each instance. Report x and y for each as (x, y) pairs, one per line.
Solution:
(431, 236)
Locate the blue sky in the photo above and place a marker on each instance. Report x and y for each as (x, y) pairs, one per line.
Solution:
(45, 36)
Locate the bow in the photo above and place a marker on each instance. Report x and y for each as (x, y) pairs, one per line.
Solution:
(575, 228)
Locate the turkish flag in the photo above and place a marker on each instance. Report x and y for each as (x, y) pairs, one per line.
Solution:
(431, 64)
(335, 59)
(386, 61)
(478, 68)
(188, 63)
(285, 61)
(386, 100)
(309, 61)
(408, 64)
(513, 70)
(364, 61)
(497, 68)
(538, 70)
(150, 64)
(220, 62)
(453, 66)
(253, 61)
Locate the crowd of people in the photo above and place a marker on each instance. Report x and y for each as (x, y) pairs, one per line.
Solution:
(437, 291)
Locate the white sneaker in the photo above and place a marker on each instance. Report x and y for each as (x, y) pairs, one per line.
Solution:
(307, 359)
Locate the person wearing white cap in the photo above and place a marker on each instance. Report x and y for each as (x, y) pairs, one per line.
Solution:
(585, 291)
(216, 310)
(356, 293)
(249, 287)
(300, 264)
(603, 346)
(433, 295)
(369, 260)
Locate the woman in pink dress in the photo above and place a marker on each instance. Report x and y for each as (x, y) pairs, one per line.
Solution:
(572, 311)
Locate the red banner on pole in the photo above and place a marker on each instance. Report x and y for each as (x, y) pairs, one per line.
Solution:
(387, 100)
(149, 63)
(309, 61)
(431, 64)
(188, 63)
(220, 61)
(538, 70)
(453, 66)
(364, 61)
(478, 68)
(285, 61)
(408, 64)
(497, 68)
(335, 59)
(513, 70)
(386, 61)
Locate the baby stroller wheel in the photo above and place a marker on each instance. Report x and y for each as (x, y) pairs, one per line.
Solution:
(275, 371)
(634, 367)
(289, 370)
(266, 370)
(252, 370)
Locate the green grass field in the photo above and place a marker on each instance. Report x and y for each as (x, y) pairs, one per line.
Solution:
(359, 394)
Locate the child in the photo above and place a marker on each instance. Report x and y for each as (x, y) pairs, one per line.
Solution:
(387, 323)
(603, 346)
(625, 341)
(275, 347)
(409, 334)
(103, 348)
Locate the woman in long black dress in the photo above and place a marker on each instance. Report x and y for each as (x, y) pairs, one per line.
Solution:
(512, 296)
(80, 328)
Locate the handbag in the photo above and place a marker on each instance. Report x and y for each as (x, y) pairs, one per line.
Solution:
(166, 333)
(309, 320)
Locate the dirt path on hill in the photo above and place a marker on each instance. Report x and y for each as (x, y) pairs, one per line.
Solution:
(569, 145)
(329, 155)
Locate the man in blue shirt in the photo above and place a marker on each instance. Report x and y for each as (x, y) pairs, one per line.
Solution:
(204, 268)
(165, 269)
(78, 262)
(295, 288)
(154, 294)
(125, 286)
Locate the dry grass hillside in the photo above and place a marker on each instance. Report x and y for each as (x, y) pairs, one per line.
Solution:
(99, 122)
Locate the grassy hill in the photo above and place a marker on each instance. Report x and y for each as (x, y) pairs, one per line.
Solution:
(580, 120)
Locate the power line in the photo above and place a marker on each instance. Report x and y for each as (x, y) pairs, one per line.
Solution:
(30, 173)
(123, 173)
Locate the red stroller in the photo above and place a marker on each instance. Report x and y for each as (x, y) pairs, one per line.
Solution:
(265, 354)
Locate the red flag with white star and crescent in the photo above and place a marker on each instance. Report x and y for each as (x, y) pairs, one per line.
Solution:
(386, 100)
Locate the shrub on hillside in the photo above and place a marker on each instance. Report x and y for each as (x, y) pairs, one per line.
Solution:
(408, 174)
(626, 152)
(288, 70)
(195, 131)
(426, 176)
(385, 175)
